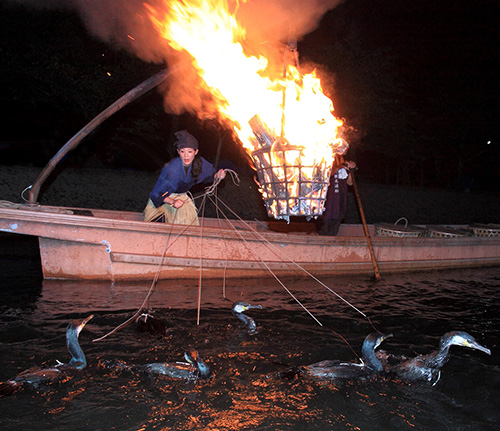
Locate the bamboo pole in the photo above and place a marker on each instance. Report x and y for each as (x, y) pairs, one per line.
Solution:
(133, 94)
(365, 227)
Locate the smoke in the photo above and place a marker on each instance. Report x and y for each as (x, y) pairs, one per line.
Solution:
(124, 24)
(278, 19)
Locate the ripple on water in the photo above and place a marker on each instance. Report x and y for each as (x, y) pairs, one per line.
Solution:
(245, 392)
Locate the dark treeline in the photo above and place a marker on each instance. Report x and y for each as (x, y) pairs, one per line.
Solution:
(415, 82)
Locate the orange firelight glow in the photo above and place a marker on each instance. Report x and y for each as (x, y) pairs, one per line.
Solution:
(292, 105)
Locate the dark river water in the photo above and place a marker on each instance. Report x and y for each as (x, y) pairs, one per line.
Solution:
(246, 392)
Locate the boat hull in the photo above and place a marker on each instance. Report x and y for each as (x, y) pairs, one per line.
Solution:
(116, 245)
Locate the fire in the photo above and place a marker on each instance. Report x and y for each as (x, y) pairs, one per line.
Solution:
(291, 106)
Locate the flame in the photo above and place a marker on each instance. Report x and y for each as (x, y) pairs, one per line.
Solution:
(292, 105)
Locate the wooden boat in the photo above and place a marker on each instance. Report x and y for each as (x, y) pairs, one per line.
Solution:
(95, 244)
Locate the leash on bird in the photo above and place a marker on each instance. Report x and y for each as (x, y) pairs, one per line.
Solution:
(210, 192)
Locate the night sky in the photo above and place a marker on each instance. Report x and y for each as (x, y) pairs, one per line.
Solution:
(416, 82)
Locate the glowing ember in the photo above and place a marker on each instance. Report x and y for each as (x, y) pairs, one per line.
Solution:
(254, 94)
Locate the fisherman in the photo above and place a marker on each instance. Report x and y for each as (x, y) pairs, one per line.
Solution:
(169, 201)
(336, 196)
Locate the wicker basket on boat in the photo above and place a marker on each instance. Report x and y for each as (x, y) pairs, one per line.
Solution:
(485, 229)
(290, 189)
(446, 232)
(394, 230)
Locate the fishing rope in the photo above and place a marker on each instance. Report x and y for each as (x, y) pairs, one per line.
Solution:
(219, 223)
(348, 345)
(213, 187)
(212, 191)
(280, 253)
(153, 283)
(209, 190)
(200, 268)
(272, 273)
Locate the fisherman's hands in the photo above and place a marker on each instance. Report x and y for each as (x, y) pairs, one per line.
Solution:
(350, 164)
(176, 203)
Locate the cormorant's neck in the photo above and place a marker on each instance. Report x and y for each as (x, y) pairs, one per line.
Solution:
(78, 359)
(438, 358)
(247, 321)
(368, 353)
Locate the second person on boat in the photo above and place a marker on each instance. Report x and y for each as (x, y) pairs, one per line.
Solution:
(168, 201)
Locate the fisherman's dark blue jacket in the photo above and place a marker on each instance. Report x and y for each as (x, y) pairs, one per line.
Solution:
(174, 179)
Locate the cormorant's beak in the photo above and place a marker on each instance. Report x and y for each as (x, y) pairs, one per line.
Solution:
(381, 338)
(477, 346)
(249, 307)
(82, 323)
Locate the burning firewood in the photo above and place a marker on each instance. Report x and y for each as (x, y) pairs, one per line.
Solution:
(289, 186)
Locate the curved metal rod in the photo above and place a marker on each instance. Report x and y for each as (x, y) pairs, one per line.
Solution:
(133, 94)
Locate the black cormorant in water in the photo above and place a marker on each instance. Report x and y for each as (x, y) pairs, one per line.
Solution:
(37, 376)
(238, 309)
(195, 368)
(428, 367)
(146, 322)
(335, 369)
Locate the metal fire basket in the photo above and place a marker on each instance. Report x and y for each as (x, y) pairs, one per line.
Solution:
(290, 189)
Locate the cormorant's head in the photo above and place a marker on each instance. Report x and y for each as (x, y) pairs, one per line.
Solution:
(461, 338)
(149, 323)
(77, 325)
(143, 317)
(197, 362)
(373, 340)
(242, 306)
(239, 308)
(192, 357)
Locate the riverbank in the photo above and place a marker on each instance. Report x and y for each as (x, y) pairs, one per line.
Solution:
(128, 190)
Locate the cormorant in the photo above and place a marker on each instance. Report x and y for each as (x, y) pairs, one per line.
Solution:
(428, 367)
(195, 368)
(335, 369)
(37, 376)
(146, 322)
(238, 309)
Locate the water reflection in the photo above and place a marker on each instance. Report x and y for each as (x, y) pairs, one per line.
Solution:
(245, 392)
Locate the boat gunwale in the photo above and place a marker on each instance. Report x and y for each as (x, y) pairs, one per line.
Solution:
(48, 215)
